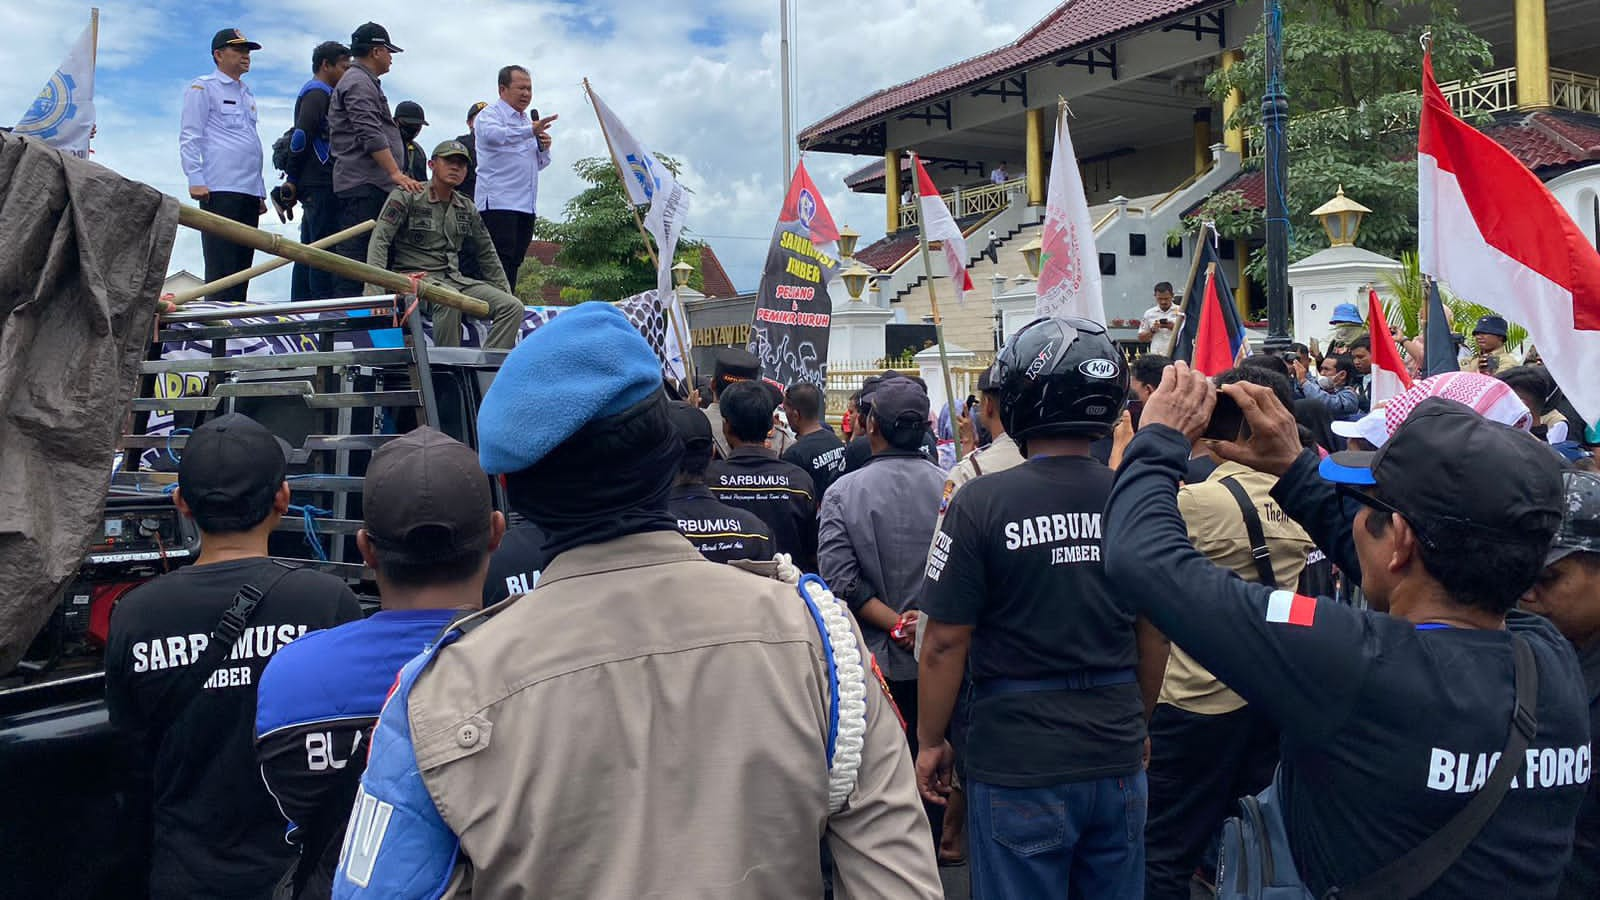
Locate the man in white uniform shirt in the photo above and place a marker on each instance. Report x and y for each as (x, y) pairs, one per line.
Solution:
(1161, 322)
(221, 154)
(512, 150)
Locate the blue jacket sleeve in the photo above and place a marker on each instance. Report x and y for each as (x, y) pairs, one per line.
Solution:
(1304, 670)
(1317, 506)
(396, 845)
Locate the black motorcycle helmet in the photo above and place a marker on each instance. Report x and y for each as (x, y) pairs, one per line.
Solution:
(1061, 377)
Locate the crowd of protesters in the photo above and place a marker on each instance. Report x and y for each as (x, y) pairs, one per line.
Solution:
(347, 153)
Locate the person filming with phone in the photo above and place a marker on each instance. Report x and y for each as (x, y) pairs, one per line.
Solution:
(1435, 745)
(1161, 322)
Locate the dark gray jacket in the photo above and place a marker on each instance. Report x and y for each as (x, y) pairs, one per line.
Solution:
(360, 124)
(873, 536)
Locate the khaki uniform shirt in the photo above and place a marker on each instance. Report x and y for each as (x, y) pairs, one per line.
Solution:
(1217, 529)
(427, 235)
(1001, 454)
(647, 723)
(1503, 361)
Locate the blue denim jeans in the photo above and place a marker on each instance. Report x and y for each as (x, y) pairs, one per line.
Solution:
(1083, 840)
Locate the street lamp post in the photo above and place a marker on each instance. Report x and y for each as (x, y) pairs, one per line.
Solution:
(1274, 122)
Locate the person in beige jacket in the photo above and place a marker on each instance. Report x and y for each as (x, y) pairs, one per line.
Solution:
(644, 723)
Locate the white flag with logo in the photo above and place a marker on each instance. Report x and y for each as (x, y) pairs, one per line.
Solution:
(648, 181)
(63, 113)
(1069, 266)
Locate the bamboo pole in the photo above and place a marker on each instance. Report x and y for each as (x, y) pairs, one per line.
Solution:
(938, 321)
(278, 245)
(240, 277)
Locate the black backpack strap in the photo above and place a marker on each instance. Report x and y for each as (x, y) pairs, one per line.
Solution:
(1416, 871)
(235, 619)
(1252, 528)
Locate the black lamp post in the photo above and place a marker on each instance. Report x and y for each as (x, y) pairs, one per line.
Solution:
(1274, 124)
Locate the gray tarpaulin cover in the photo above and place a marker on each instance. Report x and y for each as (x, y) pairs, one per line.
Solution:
(83, 253)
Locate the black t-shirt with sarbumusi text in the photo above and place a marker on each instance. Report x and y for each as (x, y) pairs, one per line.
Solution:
(821, 455)
(217, 832)
(1019, 558)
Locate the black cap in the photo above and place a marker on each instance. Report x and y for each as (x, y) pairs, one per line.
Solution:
(987, 381)
(409, 111)
(474, 109)
(230, 466)
(695, 431)
(372, 35)
(900, 403)
(232, 37)
(1448, 470)
(735, 365)
(425, 494)
(1491, 325)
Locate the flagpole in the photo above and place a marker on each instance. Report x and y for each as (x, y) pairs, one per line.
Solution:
(1194, 269)
(94, 34)
(622, 174)
(938, 321)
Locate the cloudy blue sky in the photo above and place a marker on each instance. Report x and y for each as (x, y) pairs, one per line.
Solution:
(695, 80)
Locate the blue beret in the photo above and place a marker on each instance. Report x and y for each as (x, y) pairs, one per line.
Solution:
(589, 362)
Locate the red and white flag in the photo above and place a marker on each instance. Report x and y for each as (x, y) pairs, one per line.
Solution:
(1069, 266)
(1490, 229)
(1390, 377)
(937, 225)
(1289, 608)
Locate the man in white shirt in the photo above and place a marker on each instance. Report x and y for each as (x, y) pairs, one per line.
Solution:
(221, 154)
(512, 151)
(1161, 322)
(999, 175)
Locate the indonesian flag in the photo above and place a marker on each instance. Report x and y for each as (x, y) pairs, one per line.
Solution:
(1389, 375)
(1069, 267)
(1216, 347)
(1289, 608)
(937, 225)
(1491, 230)
(804, 211)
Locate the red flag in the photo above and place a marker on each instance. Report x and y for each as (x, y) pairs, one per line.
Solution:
(1492, 231)
(1389, 374)
(1214, 350)
(938, 225)
(803, 205)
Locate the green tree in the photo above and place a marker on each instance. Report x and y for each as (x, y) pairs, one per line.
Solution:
(603, 256)
(1352, 69)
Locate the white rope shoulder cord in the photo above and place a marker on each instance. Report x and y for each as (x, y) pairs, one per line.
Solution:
(847, 681)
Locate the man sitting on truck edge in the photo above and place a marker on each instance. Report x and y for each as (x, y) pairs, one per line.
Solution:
(185, 704)
(430, 527)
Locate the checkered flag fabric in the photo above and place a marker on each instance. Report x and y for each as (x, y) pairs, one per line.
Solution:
(649, 315)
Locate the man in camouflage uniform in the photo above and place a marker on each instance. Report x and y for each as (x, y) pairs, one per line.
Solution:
(424, 232)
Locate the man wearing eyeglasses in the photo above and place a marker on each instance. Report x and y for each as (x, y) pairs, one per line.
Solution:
(1392, 718)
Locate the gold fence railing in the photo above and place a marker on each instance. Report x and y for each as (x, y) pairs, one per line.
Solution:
(1492, 92)
(968, 201)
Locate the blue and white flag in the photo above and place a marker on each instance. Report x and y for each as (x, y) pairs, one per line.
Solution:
(63, 114)
(648, 181)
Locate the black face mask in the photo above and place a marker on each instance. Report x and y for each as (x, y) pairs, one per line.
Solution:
(609, 480)
(409, 132)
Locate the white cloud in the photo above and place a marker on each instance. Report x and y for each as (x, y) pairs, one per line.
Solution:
(715, 107)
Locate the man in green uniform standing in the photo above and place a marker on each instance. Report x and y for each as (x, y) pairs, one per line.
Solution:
(424, 232)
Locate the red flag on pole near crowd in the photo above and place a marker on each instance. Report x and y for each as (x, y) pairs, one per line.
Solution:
(1216, 350)
(803, 206)
(938, 225)
(1389, 374)
(1490, 229)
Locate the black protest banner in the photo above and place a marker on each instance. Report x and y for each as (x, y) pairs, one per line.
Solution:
(789, 333)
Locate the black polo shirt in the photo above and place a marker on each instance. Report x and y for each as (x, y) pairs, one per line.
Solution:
(720, 532)
(781, 494)
(821, 455)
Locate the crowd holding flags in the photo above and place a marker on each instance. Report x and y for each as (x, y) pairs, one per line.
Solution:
(63, 113)
(1069, 266)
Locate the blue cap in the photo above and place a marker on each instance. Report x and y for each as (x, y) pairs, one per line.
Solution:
(1343, 468)
(1491, 325)
(589, 362)
(1345, 314)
